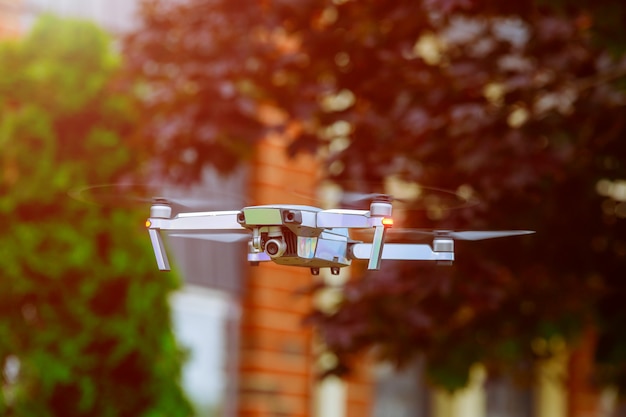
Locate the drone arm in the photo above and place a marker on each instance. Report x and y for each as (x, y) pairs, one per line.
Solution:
(343, 218)
(200, 225)
(159, 250)
(377, 247)
(378, 217)
(225, 221)
(402, 251)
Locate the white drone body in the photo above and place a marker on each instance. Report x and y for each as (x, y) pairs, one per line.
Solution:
(305, 236)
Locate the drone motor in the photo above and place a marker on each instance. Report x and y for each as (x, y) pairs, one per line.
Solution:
(161, 210)
(380, 208)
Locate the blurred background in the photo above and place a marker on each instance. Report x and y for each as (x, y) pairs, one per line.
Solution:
(479, 114)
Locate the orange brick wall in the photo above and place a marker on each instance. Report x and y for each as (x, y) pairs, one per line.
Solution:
(277, 360)
(360, 391)
(360, 382)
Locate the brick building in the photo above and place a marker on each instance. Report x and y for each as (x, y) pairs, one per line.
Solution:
(277, 363)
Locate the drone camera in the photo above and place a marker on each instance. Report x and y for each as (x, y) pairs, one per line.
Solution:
(275, 248)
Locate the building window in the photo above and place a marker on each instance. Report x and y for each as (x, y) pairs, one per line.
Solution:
(206, 325)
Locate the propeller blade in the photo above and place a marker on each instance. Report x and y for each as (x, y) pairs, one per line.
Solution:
(114, 195)
(408, 234)
(351, 197)
(485, 234)
(181, 198)
(434, 201)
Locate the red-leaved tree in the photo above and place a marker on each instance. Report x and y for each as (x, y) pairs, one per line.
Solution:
(521, 104)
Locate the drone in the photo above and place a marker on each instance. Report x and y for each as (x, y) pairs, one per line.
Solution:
(306, 236)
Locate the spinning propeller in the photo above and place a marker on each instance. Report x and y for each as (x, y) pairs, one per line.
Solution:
(180, 198)
(170, 199)
(471, 235)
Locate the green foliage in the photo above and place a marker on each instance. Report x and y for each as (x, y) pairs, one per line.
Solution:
(82, 310)
(520, 103)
